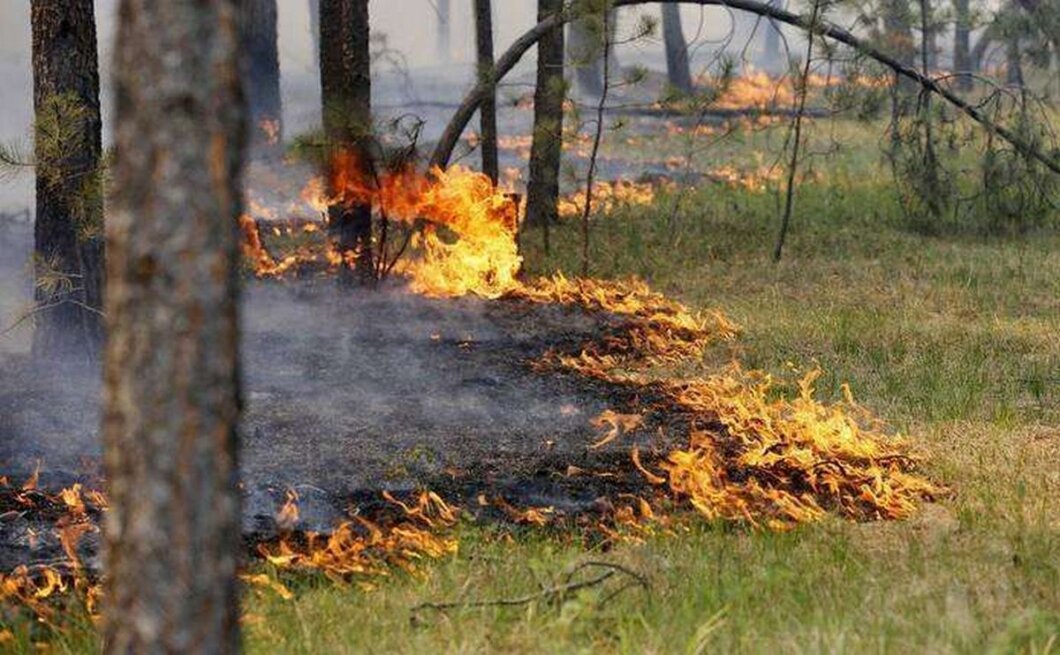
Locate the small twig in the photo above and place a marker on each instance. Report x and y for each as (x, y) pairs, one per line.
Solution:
(553, 593)
(789, 198)
(42, 308)
(590, 175)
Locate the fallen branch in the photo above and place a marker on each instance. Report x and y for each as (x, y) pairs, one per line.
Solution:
(554, 593)
(447, 142)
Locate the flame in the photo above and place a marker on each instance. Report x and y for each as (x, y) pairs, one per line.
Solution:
(363, 547)
(766, 461)
(34, 587)
(608, 196)
(462, 228)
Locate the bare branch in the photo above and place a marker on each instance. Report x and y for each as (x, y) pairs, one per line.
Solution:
(443, 150)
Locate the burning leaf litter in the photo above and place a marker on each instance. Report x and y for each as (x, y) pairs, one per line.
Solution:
(743, 455)
(771, 462)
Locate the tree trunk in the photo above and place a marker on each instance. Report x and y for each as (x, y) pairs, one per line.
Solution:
(962, 29)
(774, 60)
(898, 30)
(1013, 66)
(929, 35)
(582, 57)
(444, 30)
(676, 49)
(68, 234)
(443, 150)
(542, 191)
(488, 110)
(262, 77)
(585, 51)
(346, 94)
(171, 391)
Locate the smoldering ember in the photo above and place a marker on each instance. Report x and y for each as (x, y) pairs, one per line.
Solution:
(563, 326)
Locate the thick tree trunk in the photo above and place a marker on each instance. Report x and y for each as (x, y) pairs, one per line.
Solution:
(262, 76)
(962, 29)
(488, 110)
(346, 94)
(676, 49)
(68, 237)
(542, 191)
(171, 392)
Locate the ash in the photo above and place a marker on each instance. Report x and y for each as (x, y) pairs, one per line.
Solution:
(350, 392)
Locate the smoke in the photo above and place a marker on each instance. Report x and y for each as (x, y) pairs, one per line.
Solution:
(345, 390)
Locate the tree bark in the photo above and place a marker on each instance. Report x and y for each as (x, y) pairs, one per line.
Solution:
(68, 233)
(262, 76)
(488, 110)
(677, 71)
(171, 388)
(542, 191)
(346, 94)
(962, 30)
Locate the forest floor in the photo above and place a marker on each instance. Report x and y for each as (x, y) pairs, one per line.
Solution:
(955, 340)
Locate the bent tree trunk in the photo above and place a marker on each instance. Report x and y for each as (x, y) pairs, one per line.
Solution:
(171, 392)
(68, 234)
(346, 94)
(676, 49)
(262, 76)
(443, 150)
(542, 191)
(488, 110)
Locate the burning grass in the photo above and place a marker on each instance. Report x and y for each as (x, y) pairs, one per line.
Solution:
(747, 457)
(741, 452)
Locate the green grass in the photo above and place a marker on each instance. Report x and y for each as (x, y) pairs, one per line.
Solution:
(954, 340)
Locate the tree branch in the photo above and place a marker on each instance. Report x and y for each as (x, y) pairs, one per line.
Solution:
(444, 149)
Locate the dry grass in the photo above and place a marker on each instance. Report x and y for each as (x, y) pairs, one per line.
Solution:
(955, 340)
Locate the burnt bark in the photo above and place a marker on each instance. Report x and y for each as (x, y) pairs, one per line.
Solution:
(542, 191)
(171, 386)
(962, 29)
(488, 110)
(262, 76)
(346, 94)
(676, 49)
(68, 240)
